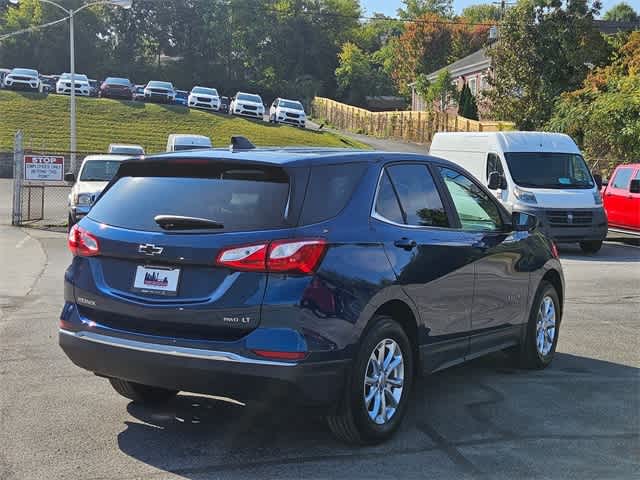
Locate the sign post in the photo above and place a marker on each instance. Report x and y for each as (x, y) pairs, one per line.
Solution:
(43, 168)
(16, 218)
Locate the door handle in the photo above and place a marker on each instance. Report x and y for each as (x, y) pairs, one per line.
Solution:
(481, 245)
(405, 243)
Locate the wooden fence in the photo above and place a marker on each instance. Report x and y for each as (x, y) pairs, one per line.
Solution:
(407, 125)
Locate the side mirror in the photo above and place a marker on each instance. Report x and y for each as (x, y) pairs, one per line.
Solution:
(496, 181)
(523, 222)
(69, 177)
(598, 179)
(634, 186)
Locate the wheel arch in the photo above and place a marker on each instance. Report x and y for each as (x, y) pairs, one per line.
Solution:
(402, 313)
(553, 277)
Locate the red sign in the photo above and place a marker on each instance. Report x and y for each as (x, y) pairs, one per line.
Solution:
(43, 168)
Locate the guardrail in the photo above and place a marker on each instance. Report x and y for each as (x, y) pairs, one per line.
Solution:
(407, 125)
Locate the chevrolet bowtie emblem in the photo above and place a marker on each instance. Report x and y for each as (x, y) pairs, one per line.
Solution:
(150, 249)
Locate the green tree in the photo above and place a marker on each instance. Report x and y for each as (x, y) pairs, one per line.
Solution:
(604, 114)
(354, 74)
(482, 13)
(417, 8)
(467, 106)
(622, 12)
(536, 59)
(437, 92)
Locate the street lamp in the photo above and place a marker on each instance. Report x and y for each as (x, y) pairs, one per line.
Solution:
(72, 54)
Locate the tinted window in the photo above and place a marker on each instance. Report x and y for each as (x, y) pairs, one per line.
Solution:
(622, 178)
(387, 202)
(249, 98)
(549, 170)
(242, 202)
(330, 188)
(494, 164)
(117, 81)
(24, 71)
(99, 170)
(476, 210)
(419, 197)
(290, 104)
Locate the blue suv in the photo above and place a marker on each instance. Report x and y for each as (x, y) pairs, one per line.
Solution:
(326, 277)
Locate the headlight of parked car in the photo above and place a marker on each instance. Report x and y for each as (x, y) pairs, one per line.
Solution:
(524, 196)
(82, 199)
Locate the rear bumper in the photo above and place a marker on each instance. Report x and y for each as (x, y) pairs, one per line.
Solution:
(206, 371)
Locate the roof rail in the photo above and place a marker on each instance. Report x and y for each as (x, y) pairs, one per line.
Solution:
(238, 142)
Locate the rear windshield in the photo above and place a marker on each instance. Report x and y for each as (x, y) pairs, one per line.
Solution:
(240, 199)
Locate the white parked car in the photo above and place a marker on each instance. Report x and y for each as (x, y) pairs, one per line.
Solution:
(204, 97)
(247, 105)
(177, 142)
(96, 171)
(124, 149)
(81, 83)
(23, 79)
(287, 111)
(162, 92)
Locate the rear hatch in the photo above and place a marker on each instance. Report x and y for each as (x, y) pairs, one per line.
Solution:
(156, 272)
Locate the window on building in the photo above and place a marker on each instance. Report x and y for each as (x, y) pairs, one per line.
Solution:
(473, 86)
(484, 83)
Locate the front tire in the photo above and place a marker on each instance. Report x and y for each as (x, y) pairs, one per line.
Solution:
(143, 394)
(541, 339)
(378, 387)
(591, 246)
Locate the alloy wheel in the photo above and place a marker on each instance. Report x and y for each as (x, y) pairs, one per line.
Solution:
(384, 381)
(546, 326)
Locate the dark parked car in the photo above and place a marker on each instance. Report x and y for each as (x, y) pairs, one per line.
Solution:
(324, 277)
(116, 87)
(48, 83)
(181, 98)
(224, 105)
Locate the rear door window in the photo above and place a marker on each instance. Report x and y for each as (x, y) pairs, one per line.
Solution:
(330, 189)
(419, 198)
(239, 199)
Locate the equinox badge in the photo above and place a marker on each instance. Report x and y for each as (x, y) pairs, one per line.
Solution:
(150, 249)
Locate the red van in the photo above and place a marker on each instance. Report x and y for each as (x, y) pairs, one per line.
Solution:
(621, 197)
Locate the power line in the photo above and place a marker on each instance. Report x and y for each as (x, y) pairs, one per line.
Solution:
(32, 29)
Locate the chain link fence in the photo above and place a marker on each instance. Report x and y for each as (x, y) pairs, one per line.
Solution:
(40, 194)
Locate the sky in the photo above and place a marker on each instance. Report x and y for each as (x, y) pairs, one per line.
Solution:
(389, 7)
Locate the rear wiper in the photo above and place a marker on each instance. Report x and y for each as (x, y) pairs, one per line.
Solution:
(177, 222)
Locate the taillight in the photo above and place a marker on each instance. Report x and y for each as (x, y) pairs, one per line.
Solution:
(284, 256)
(82, 243)
(554, 250)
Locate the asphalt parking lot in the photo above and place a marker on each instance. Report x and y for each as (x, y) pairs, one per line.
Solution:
(578, 419)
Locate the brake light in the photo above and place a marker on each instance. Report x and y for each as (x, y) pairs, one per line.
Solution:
(280, 355)
(82, 243)
(283, 256)
(554, 250)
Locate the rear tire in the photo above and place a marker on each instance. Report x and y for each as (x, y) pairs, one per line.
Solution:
(591, 246)
(541, 339)
(362, 421)
(143, 394)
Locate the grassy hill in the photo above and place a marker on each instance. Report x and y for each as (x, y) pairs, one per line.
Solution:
(45, 123)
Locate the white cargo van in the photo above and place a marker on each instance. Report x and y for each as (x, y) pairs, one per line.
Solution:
(534, 172)
(177, 142)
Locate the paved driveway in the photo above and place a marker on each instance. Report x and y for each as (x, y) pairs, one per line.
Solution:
(578, 419)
